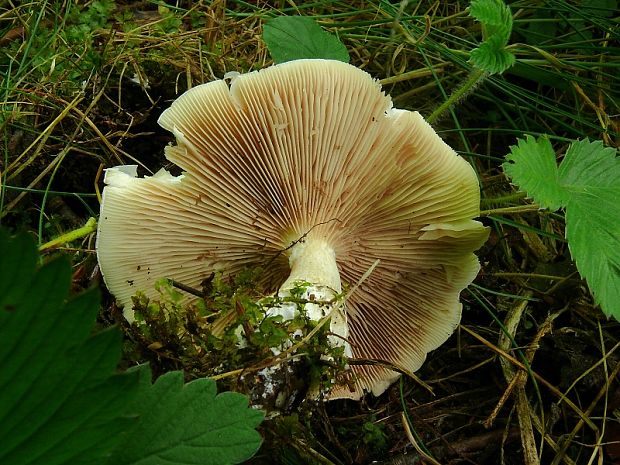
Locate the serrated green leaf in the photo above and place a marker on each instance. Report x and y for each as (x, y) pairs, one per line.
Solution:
(532, 167)
(189, 424)
(590, 172)
(496, 19)
(296, 37)
(57, 379)
(593, 233)
(586, 184)
(61, 401)
(491, 58)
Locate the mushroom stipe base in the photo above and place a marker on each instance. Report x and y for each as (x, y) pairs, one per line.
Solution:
(228, 335)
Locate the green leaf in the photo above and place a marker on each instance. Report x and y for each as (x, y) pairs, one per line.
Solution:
(532, 166)
(297, 37)
(62, 402)
(189, 424)
(586, 185)
(491, 57)
(57, 379)
(496, 19)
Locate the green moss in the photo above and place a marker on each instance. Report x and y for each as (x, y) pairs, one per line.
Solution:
(227, 331)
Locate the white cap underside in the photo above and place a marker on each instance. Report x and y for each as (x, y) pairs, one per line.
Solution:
(310, 146)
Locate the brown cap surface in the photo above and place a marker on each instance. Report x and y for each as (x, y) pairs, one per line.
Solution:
(306, 147)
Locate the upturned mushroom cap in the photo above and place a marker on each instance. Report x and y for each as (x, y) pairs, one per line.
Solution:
(311, 150)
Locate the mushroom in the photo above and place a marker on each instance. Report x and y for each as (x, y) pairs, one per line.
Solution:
(306, 166)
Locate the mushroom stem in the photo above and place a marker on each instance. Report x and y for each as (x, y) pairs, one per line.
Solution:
(313, 261)
(314, 269)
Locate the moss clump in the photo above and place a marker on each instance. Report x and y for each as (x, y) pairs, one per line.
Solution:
(226, 334)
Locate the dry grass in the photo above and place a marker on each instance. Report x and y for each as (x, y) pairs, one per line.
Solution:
(531, 375)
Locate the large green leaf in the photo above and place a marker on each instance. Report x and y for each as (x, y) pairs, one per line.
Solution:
(587, 185)
(295, 37)
(60, 401)
(189, 424)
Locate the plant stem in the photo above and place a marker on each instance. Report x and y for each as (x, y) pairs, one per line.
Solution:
(475, 77)
(89, 227)
(417, 73)
(504, 199)
(509, 210)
